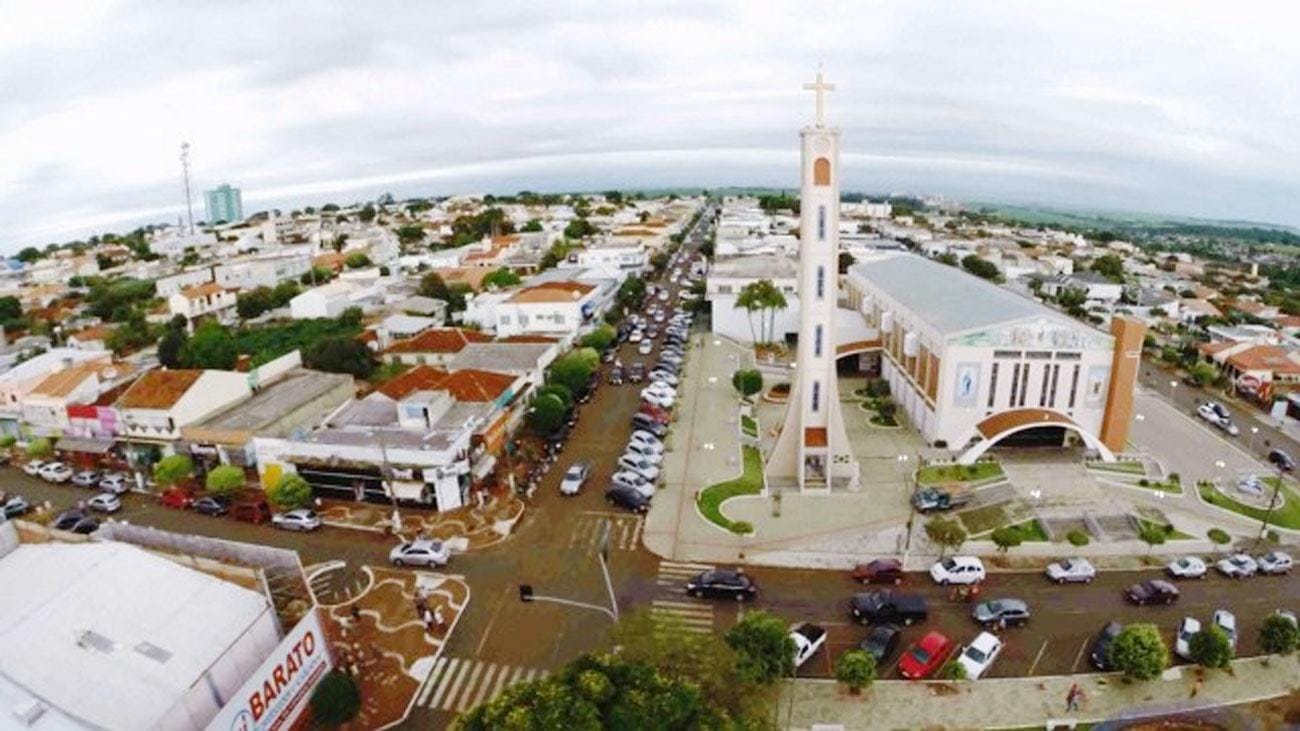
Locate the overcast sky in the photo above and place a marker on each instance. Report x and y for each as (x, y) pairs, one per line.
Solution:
(1175, 107)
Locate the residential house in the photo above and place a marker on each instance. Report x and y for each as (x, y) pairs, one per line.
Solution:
(555, 308)
(45, 406)
(204, 300)
(160, 403)
(18, 381)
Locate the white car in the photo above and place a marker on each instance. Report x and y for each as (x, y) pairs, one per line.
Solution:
(636, 482)
(55, 472)
(1073, 570)
(646, 347)
(1187, 567)
(807, 638)
(302, 519)
(573, 479)
(115, 482)
(636, 336)
(662, 386)
(33, 468)
(644, 437)
(658, 399)
(979, 655)
(958, 570)
(640, 466)
(641, 451)
(1213, 412)
(1226, 621)
(1237, 566)
(664, 377)
(1274, 563)
(1183, 639)
(105, 502)
(422, 552)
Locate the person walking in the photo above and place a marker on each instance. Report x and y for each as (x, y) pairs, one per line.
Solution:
(1072, 698)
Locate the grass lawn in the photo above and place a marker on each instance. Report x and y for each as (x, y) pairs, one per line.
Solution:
(268, 342)
(1172, 487)
(985, 519)
(749, 426)
(882, 420)
(1286, 515)
(1030, 531)
(948, 473)
(750, 482)
(1128, 468)
(1171, 533)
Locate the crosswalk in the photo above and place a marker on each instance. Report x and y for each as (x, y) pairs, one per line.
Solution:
(456, 685)
(624, 531)
(681, 611)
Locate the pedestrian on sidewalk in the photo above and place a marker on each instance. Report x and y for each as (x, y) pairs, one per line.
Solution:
(1072, 698)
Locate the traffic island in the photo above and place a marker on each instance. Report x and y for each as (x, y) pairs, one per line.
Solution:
(389, 637)
(750, 482)
(1285, 513)
(479, 527)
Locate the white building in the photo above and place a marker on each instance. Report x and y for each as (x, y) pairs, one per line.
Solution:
(615, 259)
(973, 364)
(174, 283)
(19, 381)
(204, 300)
(263, 270)
(556, 308)
(159, 403)
(727, 277)
(330, 300)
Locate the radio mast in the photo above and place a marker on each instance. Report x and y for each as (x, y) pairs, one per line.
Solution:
(185, 170)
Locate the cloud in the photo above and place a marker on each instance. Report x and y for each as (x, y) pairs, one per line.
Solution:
(1181, 107)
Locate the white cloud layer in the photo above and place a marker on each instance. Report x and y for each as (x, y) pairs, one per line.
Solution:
(1183, 107)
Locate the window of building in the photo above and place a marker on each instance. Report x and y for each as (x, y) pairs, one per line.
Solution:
(724, 289)
(1042, 392)
(821, 223)
(821, 282)
(816, 395)
(1006, 354)
(1015, 385)
(993, 384)
(817, 341)
(1024, 385)
(1056, 371)
(1074, 385)
(821, 171)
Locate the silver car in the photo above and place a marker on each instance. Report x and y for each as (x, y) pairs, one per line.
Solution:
(302, 520)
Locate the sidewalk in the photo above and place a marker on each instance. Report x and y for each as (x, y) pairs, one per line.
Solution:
(468, 528)
(1031, 702)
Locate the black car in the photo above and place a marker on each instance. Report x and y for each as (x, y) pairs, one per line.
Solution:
(1099, 656)
(636, 373)
(1281, 460)
(881, 642)
(1155, 591)
(668, 365)
(648, 423)
(722, 584)
(616, 376)
(75, 521)
(888, 606)
(14, 506)
(211, 505)
(627, 497)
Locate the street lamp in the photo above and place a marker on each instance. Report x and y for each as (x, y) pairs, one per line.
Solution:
(1272, 503)
(1173, 386)
(1253, 431)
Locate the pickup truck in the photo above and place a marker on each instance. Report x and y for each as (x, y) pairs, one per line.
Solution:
(808, 639)
(929, 499)
(888, 606)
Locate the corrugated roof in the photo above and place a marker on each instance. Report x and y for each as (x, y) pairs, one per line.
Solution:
(158, 389)
(945, 297)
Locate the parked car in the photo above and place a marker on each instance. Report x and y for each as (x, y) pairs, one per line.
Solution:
(1274, 563)
(658, 399)
(1186, 567)
(879, 571)
(251, 511)
(958, 570)
(422, 552)
(615, 376)
(979, 655)
(881, 641)
(1226, 621)
(105, 502)
(14, 506)
(636, 336)
(115, 482)
(648, 424)
(1216, 414)
(636, 373)
(55, 472)
(646, 347)
(1183, 637)
(177, 498)
(645, 437)
(212, 505)
(930, 499)
(808, 638)
(655, 412)
(301, 519)
(722, 584)
(627, 478)
(1154, 591)
(1237, 566)
(1099, 655)
(629, 498)
(577, 474)
(997, 611)
(87, 478)
(33, 467)
(925, 657)
(1281, 460)
(645, 452)
(888, 607)
(664, 376)
(640, 465)
(75, 521)
(1071, 570)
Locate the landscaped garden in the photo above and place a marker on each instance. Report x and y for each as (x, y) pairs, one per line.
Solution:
(1127, 467)
(947, 474)
(750, 482)
(1030, 531)
(748, 426)
(1285, 515)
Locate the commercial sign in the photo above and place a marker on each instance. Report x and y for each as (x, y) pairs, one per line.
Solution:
(278, 692)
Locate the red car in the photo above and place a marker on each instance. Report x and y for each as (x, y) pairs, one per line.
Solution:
(655, 412)
(923, 658)
(177, 499)
(879, 571)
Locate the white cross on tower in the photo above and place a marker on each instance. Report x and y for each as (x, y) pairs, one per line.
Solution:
(820, 87)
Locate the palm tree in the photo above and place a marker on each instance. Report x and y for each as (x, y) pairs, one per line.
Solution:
(773, 300)
(750, 300)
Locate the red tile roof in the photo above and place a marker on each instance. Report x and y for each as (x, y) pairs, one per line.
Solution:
(439, 340)
(553, 292)
(465, 385)
(158, 389)
(1264, 358)
(527, 339)
(202, 290)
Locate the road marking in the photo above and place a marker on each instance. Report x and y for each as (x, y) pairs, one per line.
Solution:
(469, 688)
(485, 685)
(462, 684)
(675, 573)
(431, 680)
(497, 612)
(1038, 657)
(453, 668)
(1079, 656)
(689, 616)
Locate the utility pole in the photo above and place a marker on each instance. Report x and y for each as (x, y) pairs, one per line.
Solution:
(1272, 503)
(185, 170)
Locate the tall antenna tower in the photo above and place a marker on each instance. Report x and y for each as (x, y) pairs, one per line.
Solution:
(185, 170)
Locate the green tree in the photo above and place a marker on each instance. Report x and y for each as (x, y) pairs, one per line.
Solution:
(1006, 538)
(1278, 635)
(291, 491)
(945, 533)
(10, 309)
(225, 480)
(367, 214)
(748, 381)
(351, 317)
(172, 343)
(1072, 299)
(1152, 535)
(336, 699)
(501, 279)
(357, 260)
(1109, 266)
(39, 448)
(631, 292)
(764, 650)
(546, 414)
(29, 254)
(255, 302)
(561, 392)
(1139, 652)
(211, 347)
(173, 470)
(433, 285)
(574, 369)
(1219, 537)
(410, 234)
(1210, 647)
(1204, 373)
(317, 275)
(534, 225)
(600, 338)
(579, 228)
(981, 268)
(340, 354)
(856, 669)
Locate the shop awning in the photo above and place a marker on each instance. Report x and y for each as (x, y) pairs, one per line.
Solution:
(84, 444)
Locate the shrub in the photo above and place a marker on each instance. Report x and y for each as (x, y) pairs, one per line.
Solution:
(747, 381)
(1006, 538)
(39, 448)
(952, 670)
(1175, 478)
(336, 700)
(1278, 635)
(1077, 537)
(8, 441)
(877, 388)
(1219, 536)
(742, 527)
(856, 669)
(173, 470)
(225, 480)
(291, 491)
(1210, 647)
(1144, 482)
(1139, 652)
